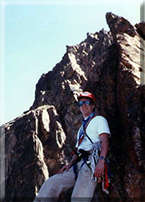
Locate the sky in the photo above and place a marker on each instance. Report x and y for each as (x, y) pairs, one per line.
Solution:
(33, 38)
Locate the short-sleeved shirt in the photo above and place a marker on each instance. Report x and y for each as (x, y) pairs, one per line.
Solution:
(96, 127)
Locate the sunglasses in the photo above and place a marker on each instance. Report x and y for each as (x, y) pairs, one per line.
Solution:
(87, 102)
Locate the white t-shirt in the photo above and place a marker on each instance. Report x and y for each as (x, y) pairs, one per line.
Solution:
(97, 126)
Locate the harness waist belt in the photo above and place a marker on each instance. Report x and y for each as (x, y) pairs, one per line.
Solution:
(82, 153)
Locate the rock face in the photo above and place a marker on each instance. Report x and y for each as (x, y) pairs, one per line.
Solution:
(40, 141)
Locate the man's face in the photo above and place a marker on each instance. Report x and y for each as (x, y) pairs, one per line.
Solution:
(87, 107)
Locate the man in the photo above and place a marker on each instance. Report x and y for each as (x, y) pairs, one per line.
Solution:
(87, 166)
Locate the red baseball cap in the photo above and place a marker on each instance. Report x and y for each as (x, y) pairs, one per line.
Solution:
(87, 94)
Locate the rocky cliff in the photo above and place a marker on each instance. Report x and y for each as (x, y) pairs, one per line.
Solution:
(37, 144)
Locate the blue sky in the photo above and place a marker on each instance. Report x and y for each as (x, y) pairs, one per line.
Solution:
(34, 38)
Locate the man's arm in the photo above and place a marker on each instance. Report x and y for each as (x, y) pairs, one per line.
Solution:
(99, 170)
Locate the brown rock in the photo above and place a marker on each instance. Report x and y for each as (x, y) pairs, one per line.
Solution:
(30, 147)
(141, 29)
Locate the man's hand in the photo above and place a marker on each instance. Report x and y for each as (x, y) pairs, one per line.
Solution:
(99, 170)
(66, 167)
